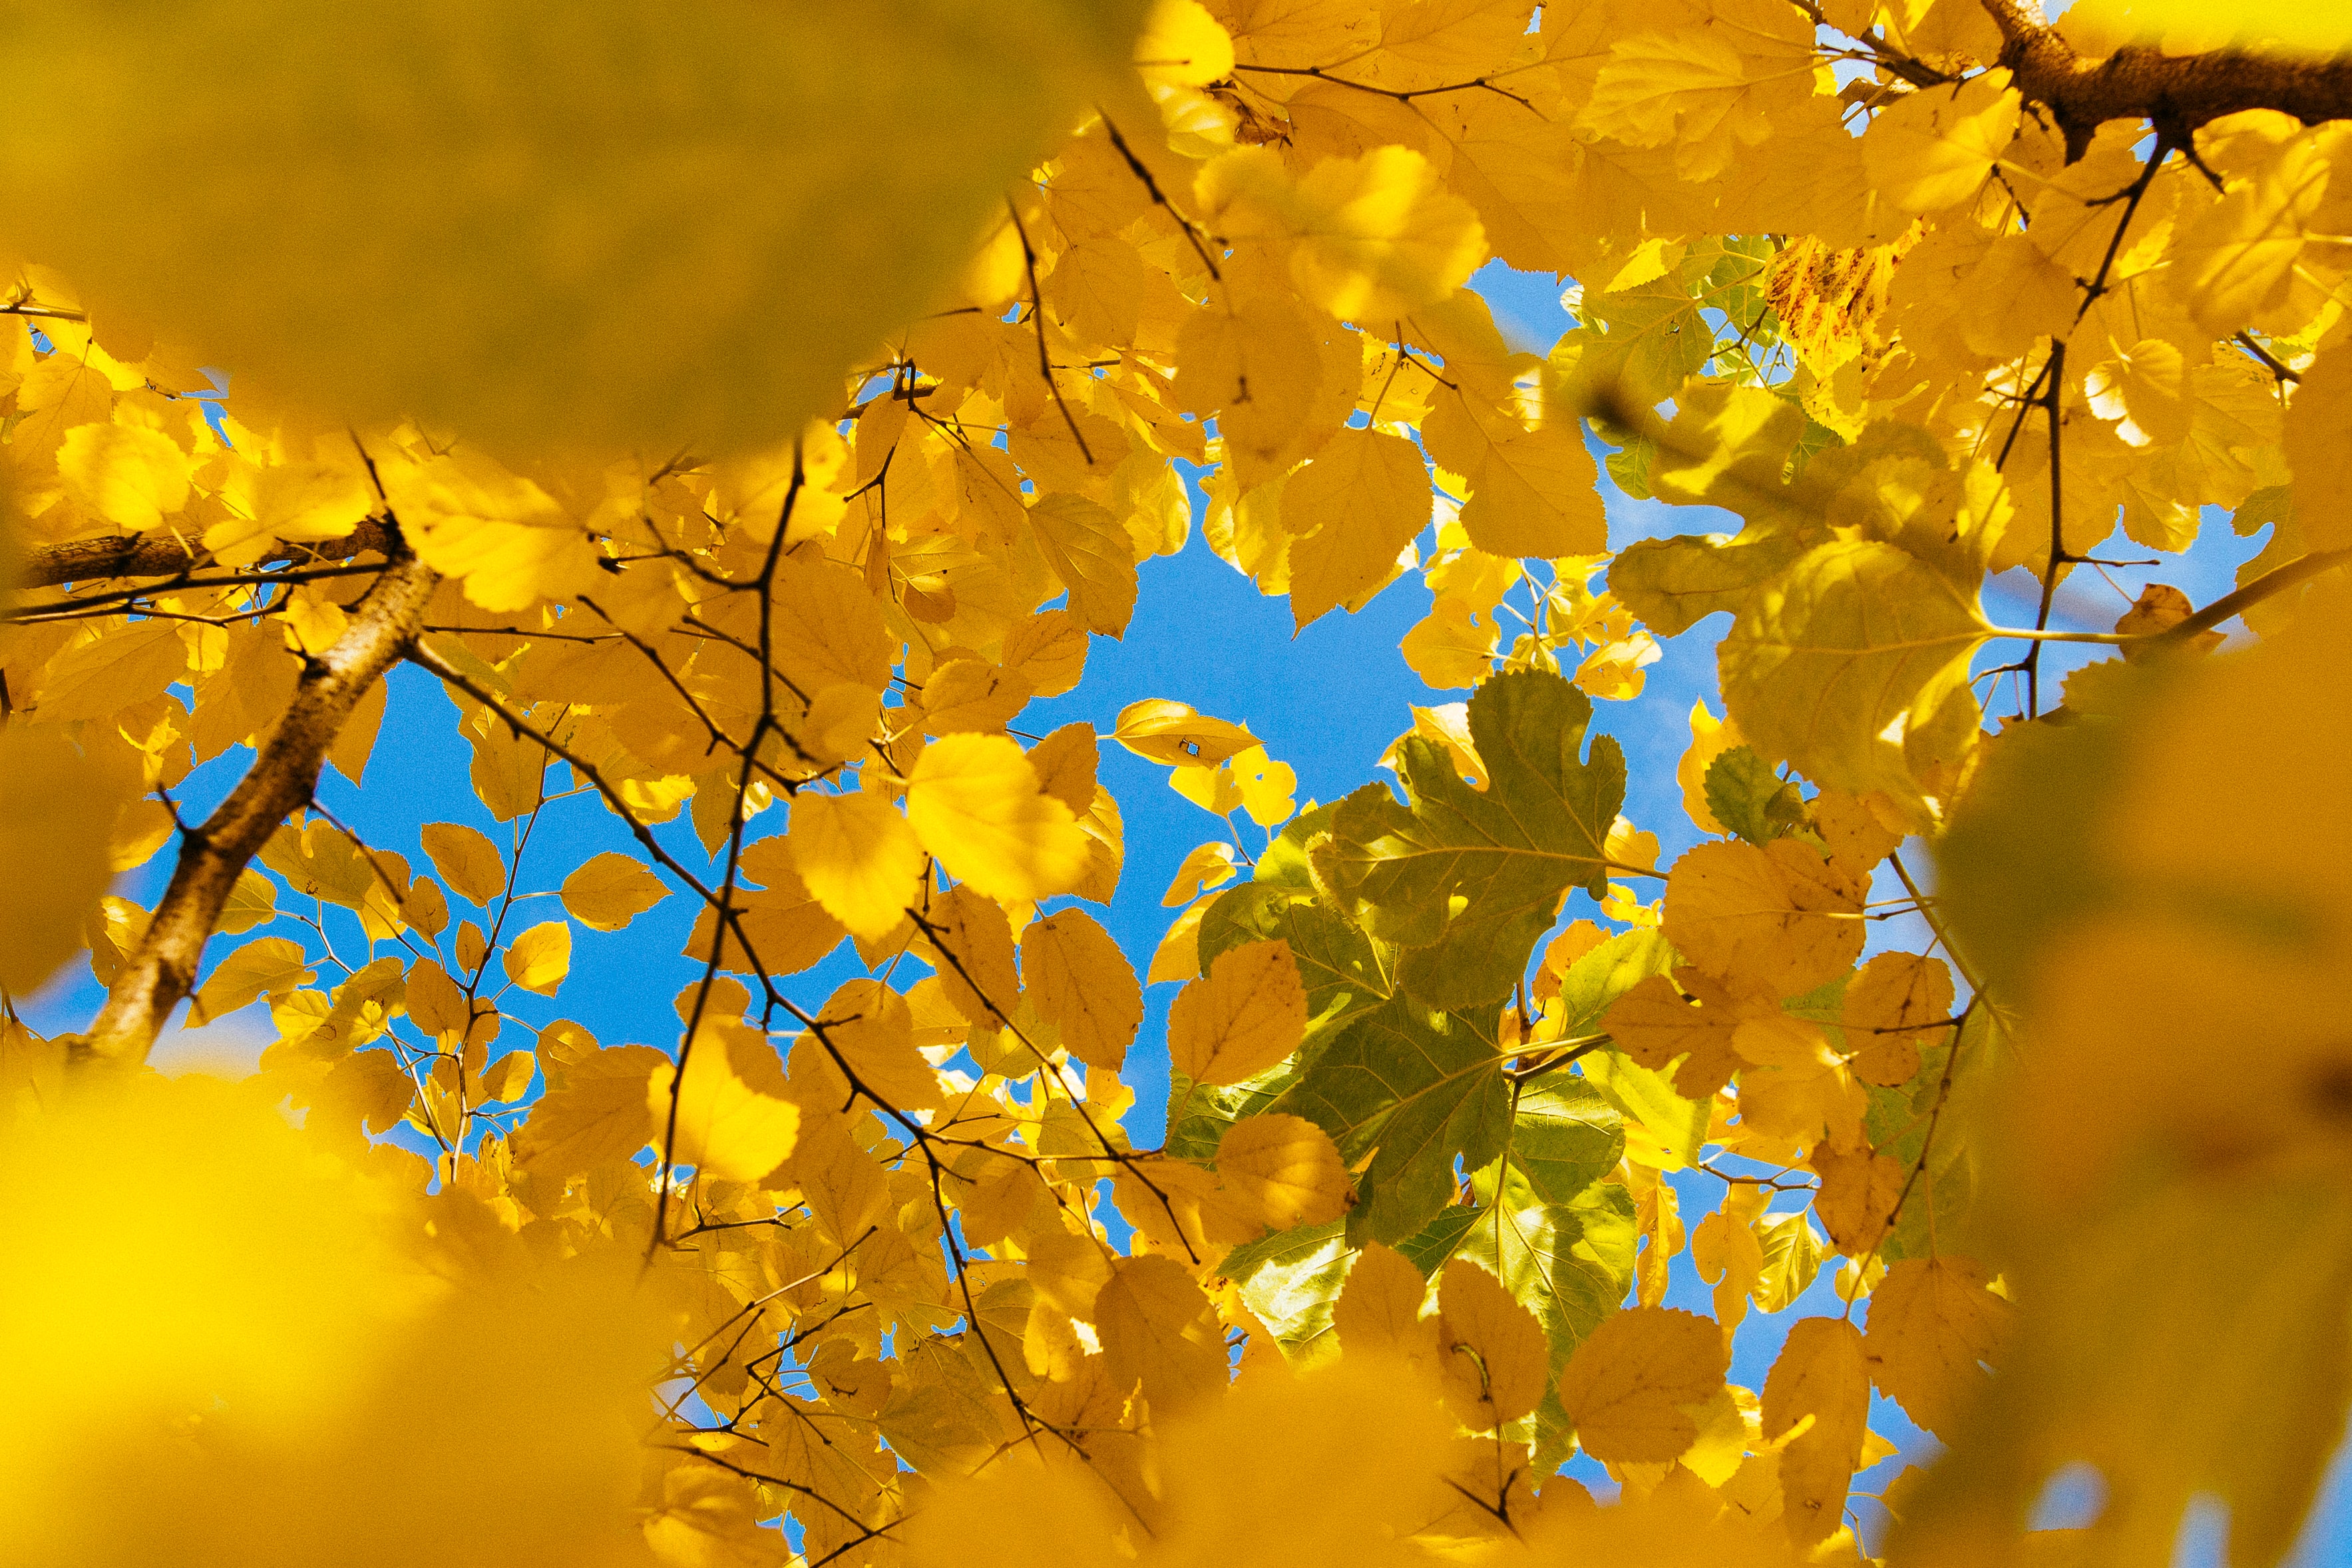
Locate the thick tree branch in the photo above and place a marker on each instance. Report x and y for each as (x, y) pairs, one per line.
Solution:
(161, 555)
(2176, 93)
(162, 969)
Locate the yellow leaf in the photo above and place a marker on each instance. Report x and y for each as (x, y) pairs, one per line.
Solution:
(974, 802)
(2237, 259)
(1254, 365)
(707, 1518)
(526, 209)
(540, 957)
(1284, 1167)
(975, 956)
(971, 696)
(1777, 916)
(1378, 1315)
(254, 900)
(1380, 236)
(509, 1078)
(1159, 1329)
(2291, 23)
(873, 1030)
(725, 1127)
(1048, 649)
(1178, 956)
(466, 860)
(1372, 236)
(1710, 739)
(1213, 790)
(1820, 1375)
(598, 1114)
(846, 1191)
(1265, 786)
(1855, 666)
(293, 501)
(346, 1341)
(788, 929)
(1182, 46)
(1858, 1195)
(857, 857)
(1066, 762)
(1653, 1024)
(1890, 1008)
(1454, 646)
(1089, 550)
(1628, 1384)
(1932, 149)
(611, 890)
(828, 630)
(267, 965)
(1614, 671)
(434, 1004)
(1494, 1356)
(1208, 866)
(1076, 978)
(1247, 1013)
(1351, 513)
(507, 538)
(1531, 490)
(1446, 725)
(1933, 1326)
(53, 852)
(2317, 414)
(1173, 734)
(125, 474)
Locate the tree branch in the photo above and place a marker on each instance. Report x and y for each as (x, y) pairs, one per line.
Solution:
(2176, 93)
(161, 555)
(384, 623)
(2277, 580)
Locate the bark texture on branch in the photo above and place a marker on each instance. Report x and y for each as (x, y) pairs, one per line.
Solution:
(2176, 93)
(161, 555)
(162, 969)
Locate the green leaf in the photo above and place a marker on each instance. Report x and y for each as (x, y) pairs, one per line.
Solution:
(1565, 1136)
(1662, 1128)
(1416, 1090)
(1607, 973)
(1284, 864)
(1465, 879)
(1291, 1280)
(1643, 342)
(1570, 1263)
(1629, 466)
(1199, 1113)
(1749, 798)
(1336, 962)
(1428, 1248)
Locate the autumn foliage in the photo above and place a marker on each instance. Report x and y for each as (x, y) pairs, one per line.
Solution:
(743, 411)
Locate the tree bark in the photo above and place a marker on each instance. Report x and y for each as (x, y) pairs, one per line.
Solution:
(153, 555)
(2176, 93)
(162, 969)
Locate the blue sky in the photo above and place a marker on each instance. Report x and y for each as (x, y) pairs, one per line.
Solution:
(1327, 701)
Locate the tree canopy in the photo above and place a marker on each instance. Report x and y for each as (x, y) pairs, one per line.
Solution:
(743, 411)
